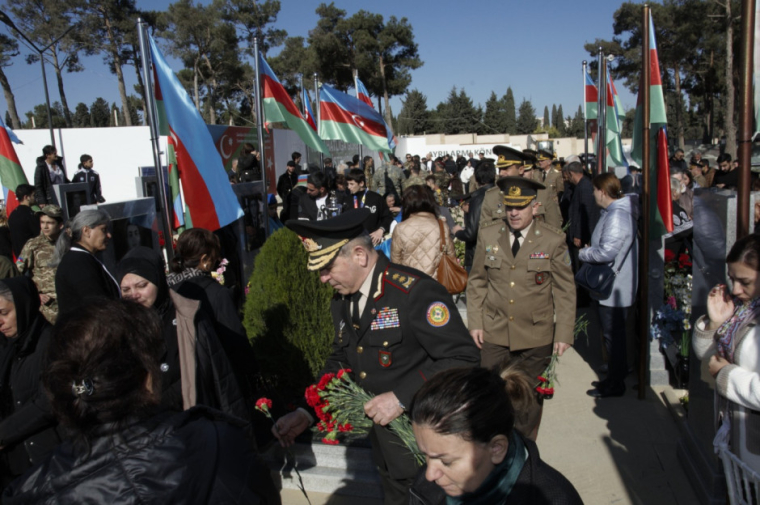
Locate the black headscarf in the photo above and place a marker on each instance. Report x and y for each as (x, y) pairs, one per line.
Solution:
(149, 265)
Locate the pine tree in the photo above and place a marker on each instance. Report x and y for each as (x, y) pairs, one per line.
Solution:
(576, 125)
(494, 118)
(510, 114)
(81, 117)
(555, 119)
(561, 121)
(413, 118)
(100, 113)
(547, 119)
(526, 121)
(459, 114)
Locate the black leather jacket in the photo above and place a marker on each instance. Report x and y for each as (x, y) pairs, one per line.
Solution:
(191, 457)
(470, 233)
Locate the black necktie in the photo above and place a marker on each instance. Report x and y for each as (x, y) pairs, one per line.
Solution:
(516, 243)
(543, 174)
(355, 315)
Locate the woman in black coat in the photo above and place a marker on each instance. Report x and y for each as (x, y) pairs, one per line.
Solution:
(28, 430)
(103, 379)
(198, 254)
(81, 276)
(187, 330)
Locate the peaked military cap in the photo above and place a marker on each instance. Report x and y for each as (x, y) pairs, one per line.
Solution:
(507, 156)
(543, 154)
(518, 191)
(324, 239)
(530, 158)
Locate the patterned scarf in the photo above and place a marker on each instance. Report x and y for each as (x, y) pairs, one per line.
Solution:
(743, 315)
(188, 273)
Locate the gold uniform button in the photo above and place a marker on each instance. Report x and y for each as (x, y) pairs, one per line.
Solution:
(510, 318)
(512, 267)
(363, 375)
(385, 344)
(511, 301)
(360, 349)
(511, 284)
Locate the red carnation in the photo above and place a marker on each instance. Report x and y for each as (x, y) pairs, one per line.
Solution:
(325, 380)
(542, 378)
(263, 405)
(343, 371)
(330, 441)
(684, 261)
(669, 255)
(345, 427)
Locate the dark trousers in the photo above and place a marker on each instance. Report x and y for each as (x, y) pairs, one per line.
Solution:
(395, 463)
(613, 323)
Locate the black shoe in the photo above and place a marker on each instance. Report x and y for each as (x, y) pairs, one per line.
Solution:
(606, 392)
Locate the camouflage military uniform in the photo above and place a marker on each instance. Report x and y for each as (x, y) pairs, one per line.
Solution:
(34, 258)
(442, 180)
(386, 174)
(413, 180)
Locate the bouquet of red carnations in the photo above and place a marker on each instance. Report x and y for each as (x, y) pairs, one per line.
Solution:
(339, 404)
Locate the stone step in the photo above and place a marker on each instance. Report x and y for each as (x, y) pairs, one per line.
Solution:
(340, 469)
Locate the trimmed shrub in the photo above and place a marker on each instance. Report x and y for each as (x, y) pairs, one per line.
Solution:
(287, 315)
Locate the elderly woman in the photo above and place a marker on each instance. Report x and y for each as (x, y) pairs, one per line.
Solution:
(81, 276)
(614, 242)
(417, 239)
(729, 337)
(104, 381)
(194, 368)
(463, 422)
(28, 430)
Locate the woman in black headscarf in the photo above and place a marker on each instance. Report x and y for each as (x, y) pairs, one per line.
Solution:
(195, 369)
(28, 430)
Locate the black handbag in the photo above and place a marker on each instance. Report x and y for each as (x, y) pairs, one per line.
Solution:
(598, 279)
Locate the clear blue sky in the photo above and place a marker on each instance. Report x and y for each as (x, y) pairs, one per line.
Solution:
(482, 45)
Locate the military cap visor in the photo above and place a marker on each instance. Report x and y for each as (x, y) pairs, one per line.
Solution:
(324, 239)
(529, 155)
(543, 154)
(518, 191)
(507, 156)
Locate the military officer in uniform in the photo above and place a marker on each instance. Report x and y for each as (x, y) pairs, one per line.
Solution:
(510, 162)
(521, 291)
(36, 255)
(551, 178)
(394, 328)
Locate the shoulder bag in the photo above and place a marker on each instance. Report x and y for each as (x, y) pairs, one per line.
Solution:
(598, 278)
(450, 273)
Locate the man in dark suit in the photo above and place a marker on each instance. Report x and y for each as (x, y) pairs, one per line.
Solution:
(484, 175)
(380, 218)
(394, 328)
(584, 212)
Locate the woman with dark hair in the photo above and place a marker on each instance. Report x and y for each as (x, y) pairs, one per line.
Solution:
(194, 368)
(104, 384)
(729, 336)
(198, 254)
(614, 242)
(463, 422)
(28, 430)
(81, 276)
(416, 240)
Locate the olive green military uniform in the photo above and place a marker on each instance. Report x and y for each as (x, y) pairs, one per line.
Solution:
(35, 257)
(413, 180)
(548, 199)
(389, 177)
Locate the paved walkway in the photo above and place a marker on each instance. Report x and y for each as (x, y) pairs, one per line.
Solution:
(614, 450)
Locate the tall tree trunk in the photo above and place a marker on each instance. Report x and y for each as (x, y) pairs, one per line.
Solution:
(59, 79)
(679, 106)
(196, 91)
(10, 100)
(385, 96)
(730, 100)
(114, 49)
(140, 83)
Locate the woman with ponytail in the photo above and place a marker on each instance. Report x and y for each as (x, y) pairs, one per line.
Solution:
(81, 276)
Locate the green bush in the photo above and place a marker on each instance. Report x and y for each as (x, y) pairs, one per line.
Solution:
(287, 314)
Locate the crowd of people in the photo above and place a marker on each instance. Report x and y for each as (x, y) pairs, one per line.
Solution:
(123, 385)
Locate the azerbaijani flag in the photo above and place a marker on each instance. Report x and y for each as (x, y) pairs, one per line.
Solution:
(307, 109)
(343, 117)
(278, 107)
(592, 97)
(615, 156)
(661, 208)
(362, 93)
(11, 174)
(211, 203)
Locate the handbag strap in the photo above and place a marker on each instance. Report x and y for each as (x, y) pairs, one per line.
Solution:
(443, 237)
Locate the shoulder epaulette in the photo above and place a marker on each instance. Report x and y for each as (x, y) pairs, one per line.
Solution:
(551, 228)
(491, 223)
(400, 279)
